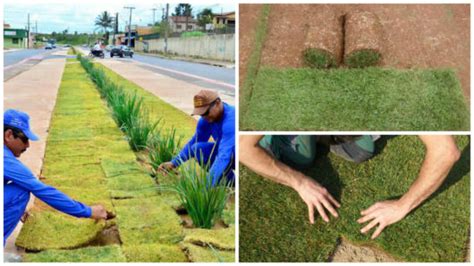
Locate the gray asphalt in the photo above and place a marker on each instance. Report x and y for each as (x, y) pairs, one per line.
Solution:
(221, 74)
(10, 58)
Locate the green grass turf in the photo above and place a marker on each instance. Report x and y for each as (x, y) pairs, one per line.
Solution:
(221, 238)
(356, 99)
(318, 58)
(111, 253)
(363, 58)
(274, 222)
(154, 253)
(253, 64)
(197, 253)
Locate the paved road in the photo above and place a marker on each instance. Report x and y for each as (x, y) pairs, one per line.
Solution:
(10, 58)
(207, 76)
(222, 74)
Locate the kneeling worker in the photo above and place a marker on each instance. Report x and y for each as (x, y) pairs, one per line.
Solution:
(217, 121)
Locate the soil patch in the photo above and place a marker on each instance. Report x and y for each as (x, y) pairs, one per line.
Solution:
(348, 252)
(249, 15)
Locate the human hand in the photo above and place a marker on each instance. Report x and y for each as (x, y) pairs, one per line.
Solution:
(98, 212)
(383, 213)
(166, 167)
(316, 196)
(25, 216)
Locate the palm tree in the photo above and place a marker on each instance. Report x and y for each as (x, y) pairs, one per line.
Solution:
(104, 21)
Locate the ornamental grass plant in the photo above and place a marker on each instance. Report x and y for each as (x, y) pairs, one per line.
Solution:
(203, 200)
(162, 148)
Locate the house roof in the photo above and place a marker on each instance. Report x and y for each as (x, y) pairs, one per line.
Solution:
(226, 14)
(182, 19)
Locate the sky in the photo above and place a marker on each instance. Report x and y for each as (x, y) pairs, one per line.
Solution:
(80, 15)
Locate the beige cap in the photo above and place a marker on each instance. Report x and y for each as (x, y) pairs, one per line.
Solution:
(202, 100)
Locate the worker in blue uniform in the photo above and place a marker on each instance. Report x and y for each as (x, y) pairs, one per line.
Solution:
(217, 121)
(19, 181)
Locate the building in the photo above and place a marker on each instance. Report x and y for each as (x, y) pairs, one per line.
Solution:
(224, 19)
(178, 23)
(15, 38)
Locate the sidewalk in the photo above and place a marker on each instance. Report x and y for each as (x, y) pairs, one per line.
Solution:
(178, 93)
(34, 92)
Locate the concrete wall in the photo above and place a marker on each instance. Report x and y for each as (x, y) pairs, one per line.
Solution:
(216, 47)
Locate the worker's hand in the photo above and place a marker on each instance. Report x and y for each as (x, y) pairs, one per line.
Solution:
(25, 216)
(166, 167)
(98, 212)
(382, 213)
(316, 196)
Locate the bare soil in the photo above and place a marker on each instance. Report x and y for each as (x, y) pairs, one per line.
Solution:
(348, 252)
(248, 20)
(414, 36)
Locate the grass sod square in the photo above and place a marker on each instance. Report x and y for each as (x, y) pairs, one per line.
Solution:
(154, 253)
(274, 222)
(54, 230)
(147, 220)
(220, 238)
(112, 253)
(113, 168)
(356, 99)
(197, 253)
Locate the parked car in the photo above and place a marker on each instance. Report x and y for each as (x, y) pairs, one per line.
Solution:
(67, 45)
(53, 45)
(48, 46)
(121, 50)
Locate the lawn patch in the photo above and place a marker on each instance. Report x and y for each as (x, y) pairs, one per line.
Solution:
(274, 220)
(111, 253)
(197, 253)
(221, 238)
(154, 253)
(356, 99)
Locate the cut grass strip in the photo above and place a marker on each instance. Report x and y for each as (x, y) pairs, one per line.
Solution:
(356, 99)
(274, 220)
(53, 230)
(197, 253)
(220, 239)
(154, 253)
(111, 253)
(253, 62)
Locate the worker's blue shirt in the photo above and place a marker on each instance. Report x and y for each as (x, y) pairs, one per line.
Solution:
(18, 183)
(223, 133)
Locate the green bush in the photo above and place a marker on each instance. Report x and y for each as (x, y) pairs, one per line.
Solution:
(203, 201)
(162, 148)
(192, 34)
(139, 131)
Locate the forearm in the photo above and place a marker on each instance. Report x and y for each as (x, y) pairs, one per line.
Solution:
(258, 160)
(441, 154)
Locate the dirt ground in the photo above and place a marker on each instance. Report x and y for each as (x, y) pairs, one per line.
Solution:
(347, 252)
(414, 36)
(249, 15)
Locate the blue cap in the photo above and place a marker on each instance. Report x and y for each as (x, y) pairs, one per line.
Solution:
(19, 120)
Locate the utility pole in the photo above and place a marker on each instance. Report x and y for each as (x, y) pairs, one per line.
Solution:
(154, 9)
(129, 42)
(115, 28)
(167, 27)
(28, 34)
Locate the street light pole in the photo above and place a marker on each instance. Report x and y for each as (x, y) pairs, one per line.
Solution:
(166, 27)
(129, 25)
(154, 9)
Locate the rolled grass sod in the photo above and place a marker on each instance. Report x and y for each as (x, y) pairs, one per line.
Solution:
(223, 239)
(324, 40)
(356, 99)
(363, 39)
(111, 253)
(274, 222)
